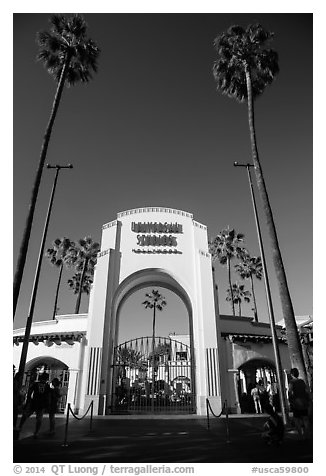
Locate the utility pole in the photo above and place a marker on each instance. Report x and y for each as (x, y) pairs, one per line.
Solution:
(278, 365)
(37, 277)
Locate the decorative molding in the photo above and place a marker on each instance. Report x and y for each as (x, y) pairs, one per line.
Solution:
(212, 371)
(255, 338)
(154, 210)
(204, 253)
(157, 251)
(103, 253)
(110, 224)
(94, 370)
(50, 339)
(199, 225)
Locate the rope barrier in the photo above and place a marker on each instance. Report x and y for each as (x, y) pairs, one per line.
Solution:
(69, 410)
(224, 407)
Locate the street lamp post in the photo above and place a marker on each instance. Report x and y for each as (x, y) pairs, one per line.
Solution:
(269, 299)
(37, 277)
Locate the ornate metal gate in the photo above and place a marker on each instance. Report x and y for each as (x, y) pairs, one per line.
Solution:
(152, 376)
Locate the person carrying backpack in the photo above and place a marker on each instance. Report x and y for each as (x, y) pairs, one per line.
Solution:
(38, 399)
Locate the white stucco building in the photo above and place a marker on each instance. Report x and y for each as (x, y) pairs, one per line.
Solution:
(159, 247)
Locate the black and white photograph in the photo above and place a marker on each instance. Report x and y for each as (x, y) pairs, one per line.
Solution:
(162, 166)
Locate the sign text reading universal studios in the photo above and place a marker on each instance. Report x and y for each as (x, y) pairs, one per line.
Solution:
(162, 237)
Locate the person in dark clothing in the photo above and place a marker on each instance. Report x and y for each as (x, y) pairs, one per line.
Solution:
(38, 399)
(273, 428)
(55, 395)
(299, 399)
(17, 399)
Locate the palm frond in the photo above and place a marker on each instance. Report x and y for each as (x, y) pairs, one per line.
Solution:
(238, 47)
(67, 41)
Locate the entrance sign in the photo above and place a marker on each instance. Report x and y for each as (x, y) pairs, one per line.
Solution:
(161, 247)
(156, 227)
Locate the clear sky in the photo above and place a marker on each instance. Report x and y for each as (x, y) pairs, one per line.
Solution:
(151, 130)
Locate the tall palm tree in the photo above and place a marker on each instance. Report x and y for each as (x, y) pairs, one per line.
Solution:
(248, 267)
(238, 294)
(69, 56)
(154, 301)
(83, 258)
(244, 67)
(225, 247)
(57, 256)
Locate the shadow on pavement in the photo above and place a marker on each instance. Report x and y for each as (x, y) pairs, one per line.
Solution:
(160, 440)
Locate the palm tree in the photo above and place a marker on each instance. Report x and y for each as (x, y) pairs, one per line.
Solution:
(70, 57)
(238, 294)
(225, 247)
(57, 256)
(83, 258)
(154, 301)
(249, 267)
(245, 65)
(131, 358)
(74, 284)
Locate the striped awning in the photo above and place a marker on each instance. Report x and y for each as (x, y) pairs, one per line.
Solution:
(250, 338)
(50, 339)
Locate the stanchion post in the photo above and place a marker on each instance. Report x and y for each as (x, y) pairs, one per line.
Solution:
(66, 428)
(227, 422)
(91, 422)
(207, 413)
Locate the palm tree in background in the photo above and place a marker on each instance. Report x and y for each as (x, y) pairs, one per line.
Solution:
(238, 294)
(244, 67)
(58, 256)
(154, 301)
(83, 258)
(131, 358)
(250, 266)
(225, 247)
(69, 56)
(74, 285)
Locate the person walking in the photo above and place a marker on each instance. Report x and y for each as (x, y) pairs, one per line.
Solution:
(299, 398)
(255, 393)
(38, 399)
(55, 395)
(271, 394)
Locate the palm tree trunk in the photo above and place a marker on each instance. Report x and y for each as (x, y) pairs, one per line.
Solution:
(153, 357)
(57, 292)
(239, 309)
(29, 221)
(254, 298)
(230, 284)
(294, 344)
(81, 286)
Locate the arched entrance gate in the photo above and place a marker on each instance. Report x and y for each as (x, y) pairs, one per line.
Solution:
(153, 376)
(159, 247)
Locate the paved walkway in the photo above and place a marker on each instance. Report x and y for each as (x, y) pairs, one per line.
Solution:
(136, 439)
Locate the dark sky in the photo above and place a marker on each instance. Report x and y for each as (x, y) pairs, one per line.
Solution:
(151, 130)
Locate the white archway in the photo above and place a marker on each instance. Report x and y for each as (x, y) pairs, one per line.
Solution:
(136, 281)
(152, 246)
